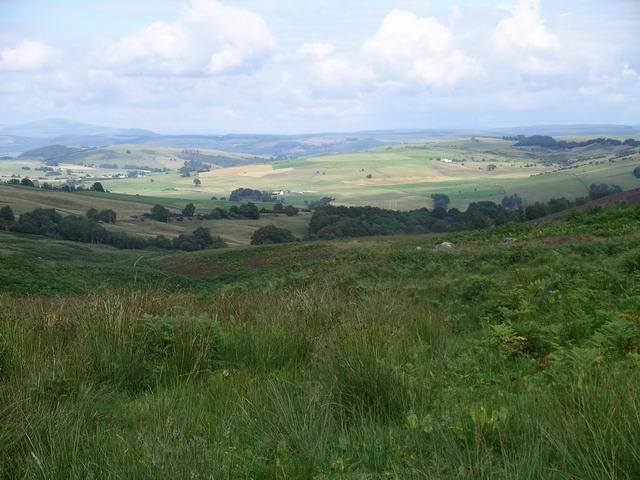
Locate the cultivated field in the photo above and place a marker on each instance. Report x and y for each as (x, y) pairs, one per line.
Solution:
(405, 177)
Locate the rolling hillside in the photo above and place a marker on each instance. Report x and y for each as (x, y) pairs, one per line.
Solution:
(405, 177)
(369, 358)
(130, 209)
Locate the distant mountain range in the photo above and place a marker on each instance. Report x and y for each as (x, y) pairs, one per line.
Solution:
(59, 131)
(60, 127)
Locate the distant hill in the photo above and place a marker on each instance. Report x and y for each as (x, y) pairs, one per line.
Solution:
(138, 157)
(560, 130)
(60, 127)
(57, 131)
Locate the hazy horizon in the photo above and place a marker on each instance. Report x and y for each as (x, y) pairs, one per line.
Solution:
(248, 66)
(479, 130)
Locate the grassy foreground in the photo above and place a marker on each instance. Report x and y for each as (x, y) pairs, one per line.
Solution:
(358, 359)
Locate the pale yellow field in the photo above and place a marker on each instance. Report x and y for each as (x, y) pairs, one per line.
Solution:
(250, 171)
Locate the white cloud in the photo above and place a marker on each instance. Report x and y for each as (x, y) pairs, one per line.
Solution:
(422, 50)
(524, 29)
(515, 64)
(316, 50)
(208, 38)
(27, 56)
(523, 40)
(340, 75)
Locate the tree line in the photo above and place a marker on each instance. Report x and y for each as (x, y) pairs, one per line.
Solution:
(89, 229)
(330, 221)
(247, 211)
(545, 141)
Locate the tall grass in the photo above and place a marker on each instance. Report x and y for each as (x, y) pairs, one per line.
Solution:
(298, 383)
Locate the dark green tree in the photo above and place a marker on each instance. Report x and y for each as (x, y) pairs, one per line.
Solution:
(6, 215)
(189, 210)
(440, 200)
(107, 216)
(245, 210)
(511, 202)
(271, 234)
(92, 214)
(291, 211)
(25, 182)
(160, 213)
(97, 187)
(537, 210)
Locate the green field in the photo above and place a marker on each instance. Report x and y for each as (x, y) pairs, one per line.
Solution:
(405, 177)
(130, 209)
(371, 358)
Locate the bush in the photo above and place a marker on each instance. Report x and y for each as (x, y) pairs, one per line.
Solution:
(200, 239)
(537, 210)
(107, 216)
(271, 234)
(291, 211)
(160, 213)
(189, 210)
(97, 187)
(440, 200)
(246, 210)
(602, 190)
(217, 214)
(241, 194)
(6, 215)
(41, 221)
(92, 214)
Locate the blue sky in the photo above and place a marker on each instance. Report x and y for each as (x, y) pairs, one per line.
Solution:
(209, 66)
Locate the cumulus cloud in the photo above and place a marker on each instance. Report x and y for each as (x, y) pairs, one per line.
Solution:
(208, 38)
(420, 49)
(524, 29)
(405, 68)
(523, 39)
(27, 56)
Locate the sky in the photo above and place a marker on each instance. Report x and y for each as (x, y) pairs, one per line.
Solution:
(299, 66)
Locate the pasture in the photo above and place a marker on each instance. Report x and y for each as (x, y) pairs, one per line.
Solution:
(404, 177)
(130, 209)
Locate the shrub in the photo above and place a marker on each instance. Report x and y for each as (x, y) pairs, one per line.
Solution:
(246, 210)
(107, 216)
(160, 213)
(189, 210)
(440, 200)
(41, 221)
(6, 215)
(200, 239)
(291, 211)
(92, 214)
(270, 235)
(242, 194)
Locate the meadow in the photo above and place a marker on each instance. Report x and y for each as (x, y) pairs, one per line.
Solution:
(368, 358)
(404, 177)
